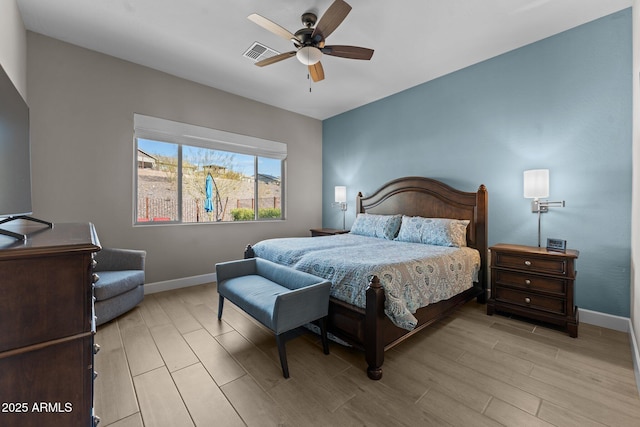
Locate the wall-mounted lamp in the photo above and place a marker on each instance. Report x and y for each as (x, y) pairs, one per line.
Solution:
(536, 186)
(341, 201)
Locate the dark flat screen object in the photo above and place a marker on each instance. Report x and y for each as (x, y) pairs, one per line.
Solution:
(15, 151)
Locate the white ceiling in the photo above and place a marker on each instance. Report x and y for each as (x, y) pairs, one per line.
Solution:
(204, 40)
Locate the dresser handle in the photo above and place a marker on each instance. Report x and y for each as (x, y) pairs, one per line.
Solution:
(527, 263)
(527, 282)
(96, 420)
(95, 278)
(96, 348)
(95, 375)
(527, 300)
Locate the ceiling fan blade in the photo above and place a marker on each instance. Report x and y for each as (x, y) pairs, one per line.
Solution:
(277, 58)
(351, 52)
(271, 26)
(332, 18)
(316, 71)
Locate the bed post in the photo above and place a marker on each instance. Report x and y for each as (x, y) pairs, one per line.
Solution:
(359, 203)
(373, 343)
(249, 253)
(482, 209)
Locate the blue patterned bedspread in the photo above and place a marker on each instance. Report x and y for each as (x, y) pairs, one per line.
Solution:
(413, 275)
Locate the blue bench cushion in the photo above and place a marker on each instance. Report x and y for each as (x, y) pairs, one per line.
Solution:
(255, 295)
(114, 283)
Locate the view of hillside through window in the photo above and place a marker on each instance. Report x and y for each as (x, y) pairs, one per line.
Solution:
(182, 183)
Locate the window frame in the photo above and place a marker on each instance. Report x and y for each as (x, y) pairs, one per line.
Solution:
(182, 134)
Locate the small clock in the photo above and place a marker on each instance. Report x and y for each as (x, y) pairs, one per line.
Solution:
(557, 245)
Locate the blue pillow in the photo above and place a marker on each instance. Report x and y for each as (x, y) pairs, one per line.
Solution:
(382, 226)
(433, 231)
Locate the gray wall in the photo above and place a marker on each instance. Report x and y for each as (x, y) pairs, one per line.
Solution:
(563, 103)
(13, 45)
(82, 105)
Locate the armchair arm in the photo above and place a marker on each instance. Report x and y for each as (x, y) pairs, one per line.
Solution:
(231, 269)
(113, 259)
(301, 306)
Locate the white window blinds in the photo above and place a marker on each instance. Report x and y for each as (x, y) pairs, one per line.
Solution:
(154, 128)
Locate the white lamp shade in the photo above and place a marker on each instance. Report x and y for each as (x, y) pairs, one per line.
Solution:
(536, 183)
(309, 55)
(341, 194)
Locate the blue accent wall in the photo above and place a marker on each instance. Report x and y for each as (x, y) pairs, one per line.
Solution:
(563, 103)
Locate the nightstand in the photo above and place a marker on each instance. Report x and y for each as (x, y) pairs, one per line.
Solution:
(315, 232)
(535, 283)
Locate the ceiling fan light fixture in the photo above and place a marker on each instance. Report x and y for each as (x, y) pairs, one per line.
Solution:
(309, 55)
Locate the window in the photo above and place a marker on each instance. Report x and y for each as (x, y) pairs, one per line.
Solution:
(189, 174)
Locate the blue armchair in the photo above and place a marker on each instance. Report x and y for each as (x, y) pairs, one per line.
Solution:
(120, 286)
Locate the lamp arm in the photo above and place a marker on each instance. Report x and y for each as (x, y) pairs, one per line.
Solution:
(549, 204)
(544, 205)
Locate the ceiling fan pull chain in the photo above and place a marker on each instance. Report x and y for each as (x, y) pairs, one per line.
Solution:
(309, 78)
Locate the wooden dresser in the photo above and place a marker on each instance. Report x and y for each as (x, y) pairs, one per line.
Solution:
(47, 327)
(535, 283)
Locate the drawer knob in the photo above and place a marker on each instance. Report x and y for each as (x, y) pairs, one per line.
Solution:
(96, 348)
(96, 420)
(527, 263)
(527, 282)
(95, 375)
(95, 278)
(527, 300)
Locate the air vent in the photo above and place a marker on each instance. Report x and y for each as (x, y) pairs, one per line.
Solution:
(258, 52)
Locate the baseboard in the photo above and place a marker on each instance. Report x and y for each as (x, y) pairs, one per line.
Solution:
(617, 323)
(635, 352)
(184, 282)
(609, 321)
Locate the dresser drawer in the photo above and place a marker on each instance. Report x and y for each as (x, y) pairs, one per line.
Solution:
(526, 262)
(58, 376)
(531, 282)
(55, 299)
(530, 299)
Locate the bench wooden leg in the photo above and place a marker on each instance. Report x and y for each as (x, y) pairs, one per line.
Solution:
(323, 335)
(280, 340)
(220, 305)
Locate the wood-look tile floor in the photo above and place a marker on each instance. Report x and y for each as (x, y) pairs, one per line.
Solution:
(171, 363)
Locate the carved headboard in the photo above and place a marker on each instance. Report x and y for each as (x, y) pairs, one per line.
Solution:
(429, 198)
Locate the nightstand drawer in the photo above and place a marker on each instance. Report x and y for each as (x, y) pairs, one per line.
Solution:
(530, 299)
(531, 282)
(529, 262)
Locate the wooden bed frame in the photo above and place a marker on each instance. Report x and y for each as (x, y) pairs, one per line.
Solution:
(369, 329)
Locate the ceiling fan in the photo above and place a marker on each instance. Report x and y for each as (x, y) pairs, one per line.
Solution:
(310, 41)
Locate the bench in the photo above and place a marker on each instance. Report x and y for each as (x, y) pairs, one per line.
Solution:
(279, 297)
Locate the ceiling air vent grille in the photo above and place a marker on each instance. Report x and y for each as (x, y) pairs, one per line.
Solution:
(258, 52)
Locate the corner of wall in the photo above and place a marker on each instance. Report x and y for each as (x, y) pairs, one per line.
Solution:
(635, 196)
